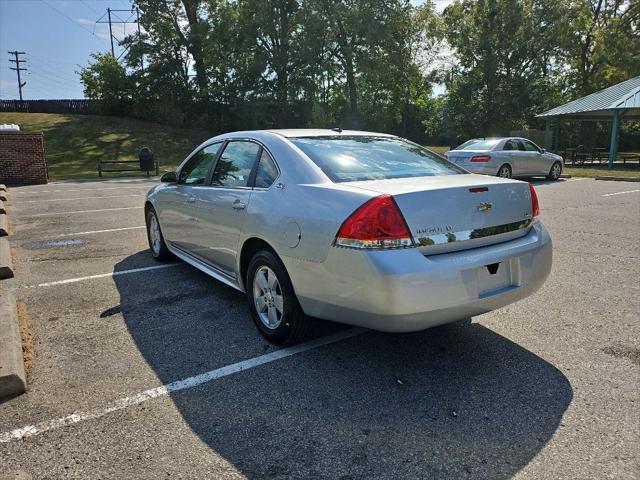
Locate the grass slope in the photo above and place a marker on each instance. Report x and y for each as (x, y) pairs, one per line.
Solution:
(74, 143)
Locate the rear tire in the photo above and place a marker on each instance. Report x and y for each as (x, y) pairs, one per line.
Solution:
(555, 172)
(157, 244)
(504, 171)
(273, 302)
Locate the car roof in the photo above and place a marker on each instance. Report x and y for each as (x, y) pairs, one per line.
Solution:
(324, 132)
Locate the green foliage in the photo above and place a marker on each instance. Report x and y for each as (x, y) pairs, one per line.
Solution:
(371, 64)
(107, 81)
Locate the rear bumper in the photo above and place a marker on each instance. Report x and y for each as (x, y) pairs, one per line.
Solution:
(403, 291)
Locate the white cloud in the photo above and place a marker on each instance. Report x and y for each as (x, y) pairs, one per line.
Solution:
(85, 21)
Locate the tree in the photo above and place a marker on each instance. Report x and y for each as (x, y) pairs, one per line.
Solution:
(107, 81)
(505, 50)
(601, 44)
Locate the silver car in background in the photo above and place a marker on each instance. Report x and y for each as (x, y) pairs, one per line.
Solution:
(361, 228)
(506, 157)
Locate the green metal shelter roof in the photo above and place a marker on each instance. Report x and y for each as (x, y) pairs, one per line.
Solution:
(624, 96)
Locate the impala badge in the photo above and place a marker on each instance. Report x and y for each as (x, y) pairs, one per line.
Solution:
(485, 207)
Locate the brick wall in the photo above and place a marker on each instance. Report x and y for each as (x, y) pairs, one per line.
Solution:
(22, 159)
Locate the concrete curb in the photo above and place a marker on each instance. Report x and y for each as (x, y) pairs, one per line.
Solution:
(619, 179)
(12, 375)
(3, 196)
(2, 209)
(4, 225)
(6, 263)
(565, 176)
(3, 188)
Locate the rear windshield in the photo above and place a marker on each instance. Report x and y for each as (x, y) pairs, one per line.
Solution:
(353, 158)
(479, 144)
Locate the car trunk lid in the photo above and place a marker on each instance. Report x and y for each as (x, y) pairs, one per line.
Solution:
(458, 212)
(463, 157)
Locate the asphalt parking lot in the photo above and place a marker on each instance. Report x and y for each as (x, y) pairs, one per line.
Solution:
(166, 376)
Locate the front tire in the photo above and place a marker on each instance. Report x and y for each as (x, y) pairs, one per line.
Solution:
(273, 302)
(504, 171)
(555, 172)
(157, 244)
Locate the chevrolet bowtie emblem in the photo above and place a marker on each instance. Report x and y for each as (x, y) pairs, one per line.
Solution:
(485, 207)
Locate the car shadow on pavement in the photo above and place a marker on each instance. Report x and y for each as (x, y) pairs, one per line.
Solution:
(458, 401)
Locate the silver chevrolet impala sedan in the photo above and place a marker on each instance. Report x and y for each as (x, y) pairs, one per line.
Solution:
(361, 228)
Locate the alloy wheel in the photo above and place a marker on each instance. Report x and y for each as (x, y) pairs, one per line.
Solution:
(267, 297)
(154, 234)
(504, 172)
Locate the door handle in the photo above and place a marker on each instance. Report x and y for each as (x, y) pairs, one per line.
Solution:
(191, 199)
(237, 205)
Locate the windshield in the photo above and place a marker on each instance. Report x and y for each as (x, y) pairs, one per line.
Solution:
(353, 158)
(479, 144)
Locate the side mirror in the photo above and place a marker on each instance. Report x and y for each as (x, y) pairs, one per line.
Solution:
(543, 150)
(169, 177)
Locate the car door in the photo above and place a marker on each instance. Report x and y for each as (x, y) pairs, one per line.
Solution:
(513, 153)
(192, 178)
(221, 206)
(533, 158)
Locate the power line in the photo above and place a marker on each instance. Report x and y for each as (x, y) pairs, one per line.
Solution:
(60, 12)
(18, 69)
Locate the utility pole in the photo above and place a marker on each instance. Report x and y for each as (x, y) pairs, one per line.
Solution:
(113, 54)
(124, 17)
(18, 69)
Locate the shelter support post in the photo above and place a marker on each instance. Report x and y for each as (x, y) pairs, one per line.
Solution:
(547, 133)
(615, 133)
(556, 135)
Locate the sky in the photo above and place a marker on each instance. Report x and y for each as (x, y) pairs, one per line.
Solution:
(58, 36)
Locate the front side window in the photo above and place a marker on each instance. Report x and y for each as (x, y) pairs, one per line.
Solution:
(195, 171)
(353, 158)
(234, 165)
(266, 172)
(529, 146)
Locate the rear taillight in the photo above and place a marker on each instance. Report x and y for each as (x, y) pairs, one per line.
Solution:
(480, 159)
(535, 206)
(377, 224)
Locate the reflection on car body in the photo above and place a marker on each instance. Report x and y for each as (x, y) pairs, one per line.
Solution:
(361, 228)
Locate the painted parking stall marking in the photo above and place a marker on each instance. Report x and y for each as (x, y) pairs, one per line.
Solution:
(620, 193)
(184, 384)
(81, 198)
(82, 211)
(32, 192)
(108, 230)
(104, 275)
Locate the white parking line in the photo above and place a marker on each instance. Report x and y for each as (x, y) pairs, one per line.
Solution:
(42, 200)
(103, 275)
(34, 191)
(81, 211)
(620, 193)
(90, 232)
(186, 383)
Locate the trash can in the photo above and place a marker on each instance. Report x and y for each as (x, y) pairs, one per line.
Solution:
(146, 159)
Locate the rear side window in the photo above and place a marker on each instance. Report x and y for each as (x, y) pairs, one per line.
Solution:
(234, 165)
(266, 172)
(348, 159)
(510, 145)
